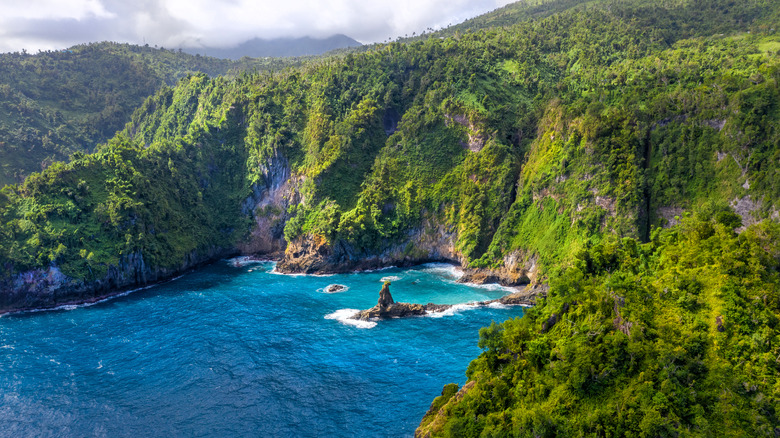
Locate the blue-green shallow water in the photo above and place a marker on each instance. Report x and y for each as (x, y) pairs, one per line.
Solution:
(239, 351)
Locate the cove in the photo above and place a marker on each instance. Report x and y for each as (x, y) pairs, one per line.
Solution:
(237, 350)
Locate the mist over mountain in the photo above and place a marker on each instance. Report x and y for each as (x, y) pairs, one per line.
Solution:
(278, 47)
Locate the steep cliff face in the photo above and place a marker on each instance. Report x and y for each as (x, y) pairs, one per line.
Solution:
(268, 206)
(517, 269)
(50, 288)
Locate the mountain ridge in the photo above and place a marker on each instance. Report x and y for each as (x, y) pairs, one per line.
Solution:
(278, 47)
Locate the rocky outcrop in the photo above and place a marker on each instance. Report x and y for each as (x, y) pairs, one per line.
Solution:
(747, 208)
(268, 205)
(50, 288)
(313, 254)
(477, 137)
(671, 215)
(502, 276)
(431, 242)
(525, 297)
(386, 307)
(517, 270)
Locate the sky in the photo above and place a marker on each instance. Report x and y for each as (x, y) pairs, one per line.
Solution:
(57, 24)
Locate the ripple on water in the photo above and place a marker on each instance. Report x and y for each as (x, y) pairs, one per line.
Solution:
(227, 352)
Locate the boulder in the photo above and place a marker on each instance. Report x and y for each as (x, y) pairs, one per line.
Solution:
(333, 288)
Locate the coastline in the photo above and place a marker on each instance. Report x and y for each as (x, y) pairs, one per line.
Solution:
(276, 258)
(58, 292)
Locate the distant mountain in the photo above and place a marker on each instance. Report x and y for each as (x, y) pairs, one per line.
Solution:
(278, 47)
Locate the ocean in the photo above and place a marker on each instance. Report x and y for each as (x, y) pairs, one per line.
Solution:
(235, 349)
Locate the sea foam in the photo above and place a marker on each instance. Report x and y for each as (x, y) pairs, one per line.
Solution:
(443, 270)
(240, 262)
(343, 316)
(74, 306)
(454, 310)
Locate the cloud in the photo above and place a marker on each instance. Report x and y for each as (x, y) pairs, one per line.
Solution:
(56, 24)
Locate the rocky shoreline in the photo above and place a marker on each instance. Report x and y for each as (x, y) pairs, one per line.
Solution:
(51, 289)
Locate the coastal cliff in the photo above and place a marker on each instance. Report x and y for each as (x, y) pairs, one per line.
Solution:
(314, 254)
(482, 150)
(50, 288)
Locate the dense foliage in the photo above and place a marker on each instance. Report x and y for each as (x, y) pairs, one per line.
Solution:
(530, 140)
(562, 142)
(55, 103)
(676, 337)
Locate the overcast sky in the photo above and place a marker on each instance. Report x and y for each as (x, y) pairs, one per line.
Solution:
(56, 24)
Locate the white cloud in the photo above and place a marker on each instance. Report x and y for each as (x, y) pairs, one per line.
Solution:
(53, 9)
(52, 24)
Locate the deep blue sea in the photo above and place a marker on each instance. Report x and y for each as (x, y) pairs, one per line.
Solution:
(238, 350)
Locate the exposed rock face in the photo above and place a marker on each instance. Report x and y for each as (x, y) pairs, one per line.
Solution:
(518, 270)
(268, 206)
(385, 298)
(487, 276)
(50, 288)
(477, 138)
(313, 254)
(669, 214)
(719, 323)
(746, 208)
(525, 297)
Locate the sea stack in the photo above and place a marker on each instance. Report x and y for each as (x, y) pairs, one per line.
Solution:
(386, 307)
(385, 298)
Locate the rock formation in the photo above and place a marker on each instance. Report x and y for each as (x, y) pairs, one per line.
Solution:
(386, 307)
(333, 288)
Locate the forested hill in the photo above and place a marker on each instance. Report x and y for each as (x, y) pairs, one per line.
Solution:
(557, 150)
(55, 103)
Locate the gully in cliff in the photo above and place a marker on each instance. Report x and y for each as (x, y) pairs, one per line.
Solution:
(386, 307)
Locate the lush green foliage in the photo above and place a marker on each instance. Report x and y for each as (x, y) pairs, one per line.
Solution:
(534, 140)
(676, 337)
(165, 201)
(55, 103)
(564, 142)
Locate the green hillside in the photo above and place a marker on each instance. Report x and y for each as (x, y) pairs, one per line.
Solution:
(55, 103)
(621, 152)
(676, 337)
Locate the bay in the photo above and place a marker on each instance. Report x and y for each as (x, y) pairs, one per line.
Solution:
(238, 350)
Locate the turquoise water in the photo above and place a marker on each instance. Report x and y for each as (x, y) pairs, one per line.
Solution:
(240, 351)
